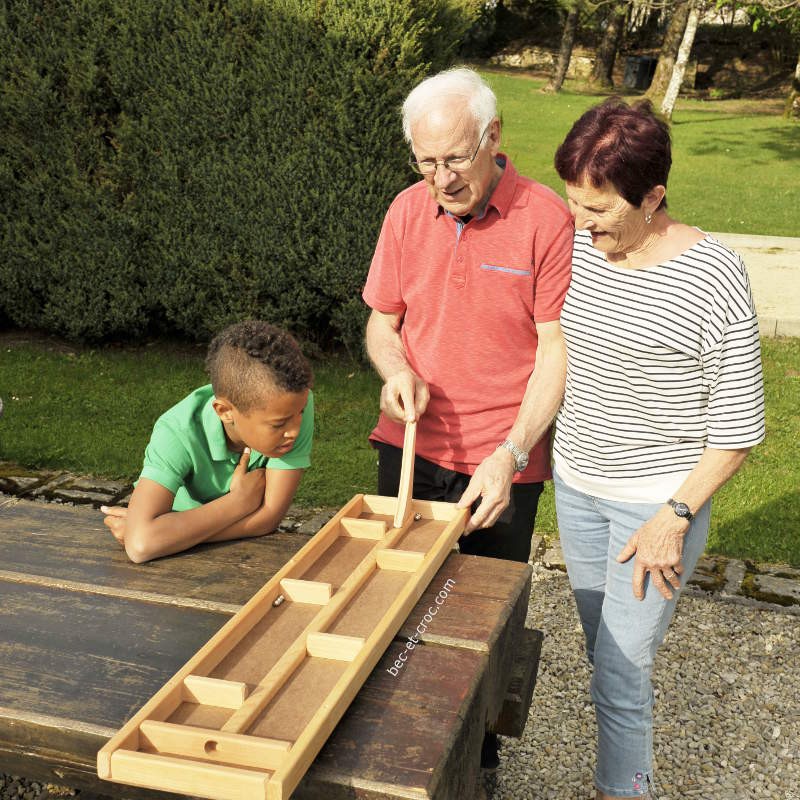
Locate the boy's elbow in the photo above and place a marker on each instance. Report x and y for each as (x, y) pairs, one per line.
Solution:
(138, 546)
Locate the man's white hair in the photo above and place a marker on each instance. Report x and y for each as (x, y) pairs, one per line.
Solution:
(455, 82)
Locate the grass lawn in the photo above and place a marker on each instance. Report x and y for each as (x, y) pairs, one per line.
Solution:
(91, 411)
(734, 170)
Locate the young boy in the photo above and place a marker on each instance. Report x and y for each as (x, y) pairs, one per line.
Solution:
(225, 462)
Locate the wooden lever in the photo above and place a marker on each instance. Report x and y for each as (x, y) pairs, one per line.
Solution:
(406, 487)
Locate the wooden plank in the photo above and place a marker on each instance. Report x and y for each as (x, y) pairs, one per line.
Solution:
(213, 692)
(401, 560)
(407, 736)
(415, 734)
(314, 592)
(66, 653)
(364, 528)
(39, 539)
(336, 646)
(190, 777)
(164, 738)
(406, 487)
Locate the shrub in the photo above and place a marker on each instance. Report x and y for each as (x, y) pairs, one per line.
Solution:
(173, 165)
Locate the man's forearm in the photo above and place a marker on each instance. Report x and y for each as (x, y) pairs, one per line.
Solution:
(542, 397)
(385, 346)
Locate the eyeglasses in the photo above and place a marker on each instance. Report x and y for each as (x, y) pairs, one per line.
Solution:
(454, 164)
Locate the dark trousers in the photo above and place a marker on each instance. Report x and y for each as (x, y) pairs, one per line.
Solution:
(508, 538)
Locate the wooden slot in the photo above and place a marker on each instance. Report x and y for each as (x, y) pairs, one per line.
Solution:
(406, 476)
(421, 535)
(402, 560)
(272, 683)
(188, 777)
(432, 509)
(364, 528)
(331, 645)
(301, 591)
(213, 691)
(379, 504)
(211, 745)
(366, 609)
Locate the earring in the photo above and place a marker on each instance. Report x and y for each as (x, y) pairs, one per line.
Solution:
(648, 218)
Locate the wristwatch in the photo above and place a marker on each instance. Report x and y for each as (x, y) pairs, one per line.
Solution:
(681, 509)
(520, 456)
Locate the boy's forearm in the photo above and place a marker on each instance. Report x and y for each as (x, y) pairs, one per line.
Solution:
(179, 530)
(264, 520)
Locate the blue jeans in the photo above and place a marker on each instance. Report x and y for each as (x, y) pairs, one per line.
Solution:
(622, 633)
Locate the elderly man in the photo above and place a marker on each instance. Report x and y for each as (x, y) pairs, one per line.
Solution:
(466, 287)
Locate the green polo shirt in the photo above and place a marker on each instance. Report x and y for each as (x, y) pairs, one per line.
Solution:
(188, 452)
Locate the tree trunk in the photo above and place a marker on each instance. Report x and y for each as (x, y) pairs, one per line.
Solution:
(607, 51)
(679, 69)
(793, 101)
(669, 52)
(565, 52)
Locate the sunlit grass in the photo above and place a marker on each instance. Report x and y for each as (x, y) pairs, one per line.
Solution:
(91, 412)
(731, 172)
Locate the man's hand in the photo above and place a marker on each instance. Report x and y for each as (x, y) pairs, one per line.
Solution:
(491, 482)
(658, 546)
(115, 520)
(404, 396)
(248, 487)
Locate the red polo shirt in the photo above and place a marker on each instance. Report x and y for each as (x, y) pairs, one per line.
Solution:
(471, 296)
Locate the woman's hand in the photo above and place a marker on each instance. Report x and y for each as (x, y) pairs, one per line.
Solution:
(658, 546)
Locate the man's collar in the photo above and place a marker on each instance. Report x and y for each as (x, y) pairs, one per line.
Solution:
(215, 433)
(503, 193)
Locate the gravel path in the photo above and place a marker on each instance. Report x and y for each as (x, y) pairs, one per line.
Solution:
(727, 707)
(727, 716)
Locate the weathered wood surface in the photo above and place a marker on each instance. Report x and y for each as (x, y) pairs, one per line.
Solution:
(86, 638)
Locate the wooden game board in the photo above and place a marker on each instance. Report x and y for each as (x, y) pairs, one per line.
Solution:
(248, 713)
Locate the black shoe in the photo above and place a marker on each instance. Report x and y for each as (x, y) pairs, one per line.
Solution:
(490, 760)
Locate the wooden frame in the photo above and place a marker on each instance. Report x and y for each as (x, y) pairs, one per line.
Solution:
(248, 713)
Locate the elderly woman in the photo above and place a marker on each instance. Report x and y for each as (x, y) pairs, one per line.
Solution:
(663, 401)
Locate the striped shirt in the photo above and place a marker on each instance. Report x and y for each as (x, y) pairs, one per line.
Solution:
(662, 362)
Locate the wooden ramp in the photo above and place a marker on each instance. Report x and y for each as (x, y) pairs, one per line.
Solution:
(246, 716)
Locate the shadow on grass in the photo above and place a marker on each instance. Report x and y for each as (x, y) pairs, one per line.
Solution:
(783, 142)
(770, 532)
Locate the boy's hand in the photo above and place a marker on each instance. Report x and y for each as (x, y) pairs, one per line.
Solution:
(115, 521)
(248, 487)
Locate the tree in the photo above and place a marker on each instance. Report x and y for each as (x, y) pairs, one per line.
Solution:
(671, 95)
(607, 51)
(785, 13)
(793, 100)
(565, 51)
(669, 51)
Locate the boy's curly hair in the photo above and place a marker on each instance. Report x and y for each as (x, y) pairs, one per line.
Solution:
(249, 360)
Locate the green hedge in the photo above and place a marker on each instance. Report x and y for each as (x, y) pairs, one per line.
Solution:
(170, 165)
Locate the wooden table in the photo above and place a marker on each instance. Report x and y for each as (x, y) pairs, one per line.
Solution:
(86, 638)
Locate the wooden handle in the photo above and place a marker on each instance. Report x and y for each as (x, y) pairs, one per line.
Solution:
(406, 487)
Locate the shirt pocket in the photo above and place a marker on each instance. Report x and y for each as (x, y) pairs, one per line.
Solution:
(504, 270)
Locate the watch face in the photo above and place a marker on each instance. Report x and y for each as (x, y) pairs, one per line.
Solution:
(682, 510)
(522, 462)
